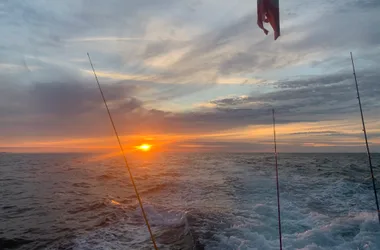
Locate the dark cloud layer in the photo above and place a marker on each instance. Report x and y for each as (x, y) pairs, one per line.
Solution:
(76, 108)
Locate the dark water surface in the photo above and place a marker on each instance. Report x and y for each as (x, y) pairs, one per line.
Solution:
(193, 201)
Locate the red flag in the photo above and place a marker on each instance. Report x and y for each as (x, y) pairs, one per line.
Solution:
(268, 11)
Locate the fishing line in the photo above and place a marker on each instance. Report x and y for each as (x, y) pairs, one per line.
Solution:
(278, 188)
(125, 158)
(366, 139)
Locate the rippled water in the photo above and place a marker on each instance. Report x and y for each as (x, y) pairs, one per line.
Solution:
(193, 201)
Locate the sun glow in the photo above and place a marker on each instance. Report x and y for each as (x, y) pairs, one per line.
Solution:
(144, 147)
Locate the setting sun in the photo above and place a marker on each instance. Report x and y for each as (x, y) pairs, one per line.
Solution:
(144, 147)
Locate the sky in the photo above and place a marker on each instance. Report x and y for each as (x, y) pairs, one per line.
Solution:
(188, 75)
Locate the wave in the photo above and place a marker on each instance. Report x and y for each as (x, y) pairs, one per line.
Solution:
(128, 231)
(81, 184)
(155, 188)
(6, 243)
(89, 207)
(105, 177)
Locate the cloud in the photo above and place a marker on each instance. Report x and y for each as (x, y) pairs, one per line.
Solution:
(221, 146)
(58, 107)
(166, 48)
(75, 108)
(335, 133)
(239, 49)
(329, 97)
(149, 53)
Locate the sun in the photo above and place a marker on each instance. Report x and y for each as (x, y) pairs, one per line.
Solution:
(144, 147)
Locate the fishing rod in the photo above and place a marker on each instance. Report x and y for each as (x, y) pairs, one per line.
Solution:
(125, 158)
(278, 187)
(366, 139)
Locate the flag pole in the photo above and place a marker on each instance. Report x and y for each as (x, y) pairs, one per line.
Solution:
(277, 184)
(125, 158)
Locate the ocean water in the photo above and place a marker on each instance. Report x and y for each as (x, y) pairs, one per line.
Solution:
(193, 201)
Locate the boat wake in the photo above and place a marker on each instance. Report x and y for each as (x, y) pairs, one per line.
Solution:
(124, 228)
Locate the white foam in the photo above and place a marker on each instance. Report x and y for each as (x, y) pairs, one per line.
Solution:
(126, 235)
(160, 216)
(317, 213)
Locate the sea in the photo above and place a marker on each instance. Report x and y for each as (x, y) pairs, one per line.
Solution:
(212, 201)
